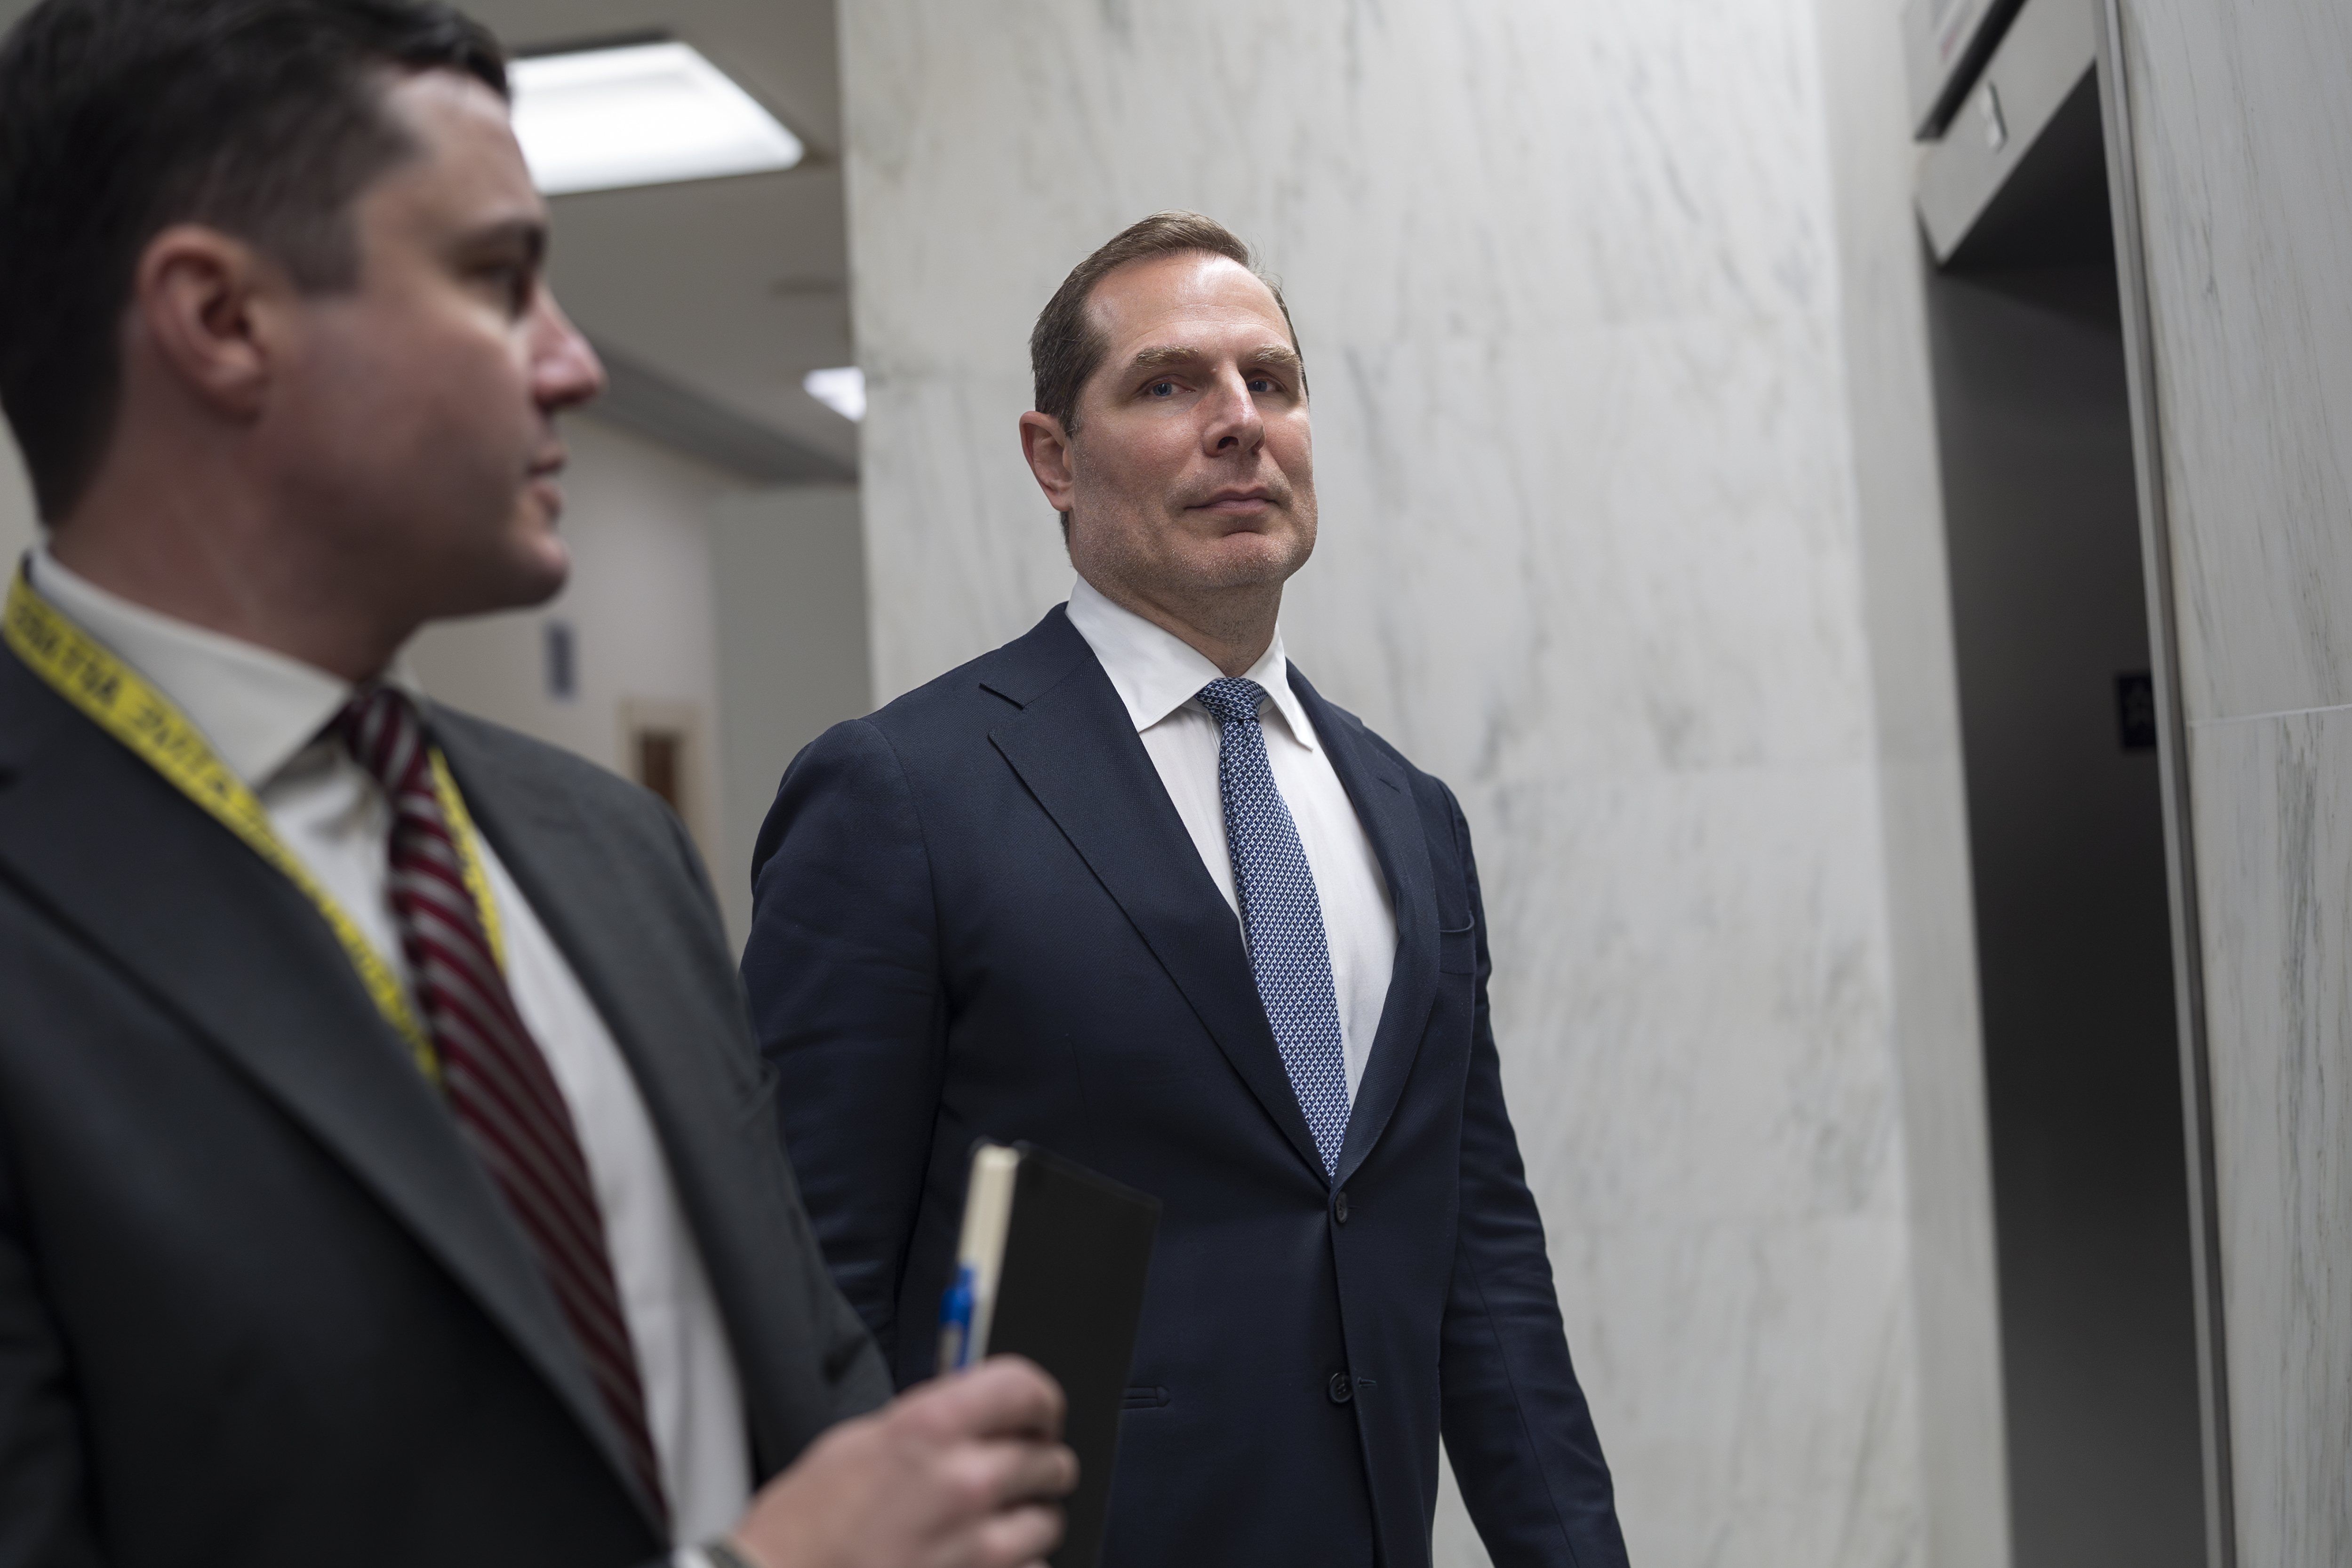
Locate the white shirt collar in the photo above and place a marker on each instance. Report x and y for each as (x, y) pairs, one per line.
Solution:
(1155, 672)
(259, 708)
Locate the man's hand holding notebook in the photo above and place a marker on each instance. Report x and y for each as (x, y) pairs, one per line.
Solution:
(967, 1469)
(1051, 1266)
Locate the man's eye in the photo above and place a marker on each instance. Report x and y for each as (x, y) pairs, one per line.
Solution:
(513, 284)
(1160, 389)
(1262, 383)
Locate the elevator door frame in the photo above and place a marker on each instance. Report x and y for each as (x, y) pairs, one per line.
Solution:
(2172, 762)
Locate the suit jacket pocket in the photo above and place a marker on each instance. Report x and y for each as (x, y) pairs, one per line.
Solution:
(1144, 1399)
(1457, 951)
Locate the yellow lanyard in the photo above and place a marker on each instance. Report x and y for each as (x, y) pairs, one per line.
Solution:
(126, 707)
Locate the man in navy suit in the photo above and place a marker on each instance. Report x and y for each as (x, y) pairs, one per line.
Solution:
(1130, 888)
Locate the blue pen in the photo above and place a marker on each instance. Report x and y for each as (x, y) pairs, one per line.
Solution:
(955, 1322)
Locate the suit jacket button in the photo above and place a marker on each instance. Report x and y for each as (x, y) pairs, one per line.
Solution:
(1341, 1390)
(1339, 1207)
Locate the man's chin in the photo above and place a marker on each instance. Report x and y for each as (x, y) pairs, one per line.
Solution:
(538, 568)
(1250, 561)
(516, 581)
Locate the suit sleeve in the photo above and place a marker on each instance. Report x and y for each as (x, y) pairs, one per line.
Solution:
(1516, 1427)
(843, 971)
(45, 1501)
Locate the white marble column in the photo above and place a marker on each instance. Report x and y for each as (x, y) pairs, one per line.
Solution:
(2242, 153)
(1629, 532)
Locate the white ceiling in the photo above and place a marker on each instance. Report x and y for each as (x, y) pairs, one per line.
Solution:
(728, 290)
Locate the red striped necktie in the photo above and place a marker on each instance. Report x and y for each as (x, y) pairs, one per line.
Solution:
(493, 1074)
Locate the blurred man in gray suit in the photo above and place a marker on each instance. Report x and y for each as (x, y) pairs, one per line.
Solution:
(386, 1171)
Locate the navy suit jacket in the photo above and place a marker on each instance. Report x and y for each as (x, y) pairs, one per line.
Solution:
(979, 915)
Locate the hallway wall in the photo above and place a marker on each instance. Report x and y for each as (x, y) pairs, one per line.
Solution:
(640, 604)
(788, 570)
(18, 526)
(1629, 533)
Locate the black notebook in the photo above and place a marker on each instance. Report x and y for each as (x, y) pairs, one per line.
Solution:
(1051, 1266)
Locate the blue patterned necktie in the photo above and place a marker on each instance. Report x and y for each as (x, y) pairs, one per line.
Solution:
(1282, 918)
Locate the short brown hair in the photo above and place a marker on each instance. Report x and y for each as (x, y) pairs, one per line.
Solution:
(1065, 348)
(119, 118)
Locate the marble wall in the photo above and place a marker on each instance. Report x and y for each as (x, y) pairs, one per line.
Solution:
(2243, 160)
(1630, 531)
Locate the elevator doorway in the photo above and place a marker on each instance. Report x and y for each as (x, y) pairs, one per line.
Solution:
(2073, 918)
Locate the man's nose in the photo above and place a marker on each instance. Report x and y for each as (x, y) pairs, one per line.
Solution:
(1233, 419)
(565, 370)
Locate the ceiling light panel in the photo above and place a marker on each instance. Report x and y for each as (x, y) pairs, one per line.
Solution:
(841, 389)
(645, 114)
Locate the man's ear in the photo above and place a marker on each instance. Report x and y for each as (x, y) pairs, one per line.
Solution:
(201, 297)
(1046, 446)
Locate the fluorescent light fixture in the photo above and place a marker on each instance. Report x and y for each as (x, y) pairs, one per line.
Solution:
(641, 114)
(841, 389)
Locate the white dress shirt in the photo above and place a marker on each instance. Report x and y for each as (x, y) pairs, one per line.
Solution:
(263, 714)
(1158, 676)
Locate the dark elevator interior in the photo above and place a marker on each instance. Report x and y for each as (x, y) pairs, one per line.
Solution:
(2073, 917)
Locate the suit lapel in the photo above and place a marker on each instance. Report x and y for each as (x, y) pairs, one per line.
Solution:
(653, 980)
(200, 924)
(1074, 746)
(1383, 804)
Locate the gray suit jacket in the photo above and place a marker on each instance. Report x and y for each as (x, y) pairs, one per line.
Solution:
(258, 1303)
